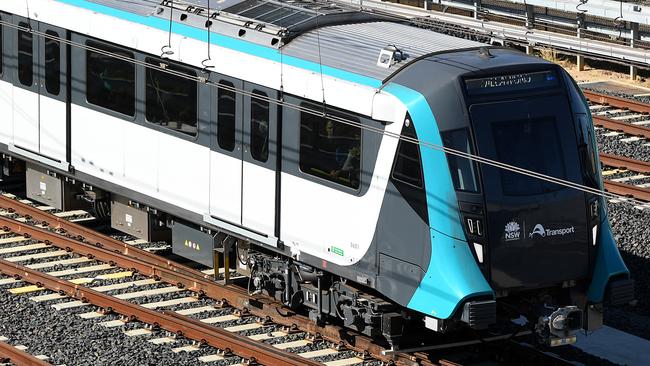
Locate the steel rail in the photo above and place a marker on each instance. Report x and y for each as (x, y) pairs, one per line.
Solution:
(257, 305)
(618, 102)
(625, 127)
(19, 357)
(627, 190)
(623, 162)
(83, 233)
(624, 188)
(623, 103)
(179, 324)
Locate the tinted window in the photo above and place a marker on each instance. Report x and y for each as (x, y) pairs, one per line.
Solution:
(52, 63)
(330, 150)
(408, 168)
(226, 116)
(260, 127)
(25, 56)
(532, 145)
(171, 100)
(110, 82)
(463, 170)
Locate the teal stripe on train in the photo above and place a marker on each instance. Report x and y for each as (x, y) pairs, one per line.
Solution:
(225, 41)
(452, 275)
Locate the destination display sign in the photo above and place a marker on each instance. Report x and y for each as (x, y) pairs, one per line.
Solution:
(511, 83)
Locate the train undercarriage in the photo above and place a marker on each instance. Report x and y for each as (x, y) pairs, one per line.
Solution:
(542, 315)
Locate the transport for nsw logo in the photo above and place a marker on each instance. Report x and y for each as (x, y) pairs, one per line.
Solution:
(512, 231)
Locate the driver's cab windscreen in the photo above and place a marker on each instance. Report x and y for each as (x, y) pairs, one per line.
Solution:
(533, 145)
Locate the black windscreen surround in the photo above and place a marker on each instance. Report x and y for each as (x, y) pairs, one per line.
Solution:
(171, 99)
(408, 165)
(260, 127)
(407, 173)
(330, 150)
(25, 56)
(533, 145)
(226, 105)
(463, 170)
(52, 63)
(110, 82)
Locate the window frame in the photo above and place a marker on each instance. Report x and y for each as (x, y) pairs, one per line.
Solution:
(59, 63)
(84, 93)
(476, 177)
(222, 80)
(155, 125)
(333, 183)
(397, 155)
(19, 32)
(253, 100)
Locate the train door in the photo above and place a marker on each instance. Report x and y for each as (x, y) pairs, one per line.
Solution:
(53, 92)
(26, 86)
(40, 90)
(6, 84)
(259, 160)
(227, 151)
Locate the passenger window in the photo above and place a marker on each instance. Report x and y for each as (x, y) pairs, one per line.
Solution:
(463, 170)
(52, 63)
(408, 166)
(25, 56)
(171, 99)
(110, 81)
(260, 127)
(226, 116)
(330, 150)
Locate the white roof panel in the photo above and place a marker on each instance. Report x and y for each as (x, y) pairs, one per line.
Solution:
(356, 47)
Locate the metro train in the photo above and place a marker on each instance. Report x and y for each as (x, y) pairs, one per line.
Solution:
(278, 136)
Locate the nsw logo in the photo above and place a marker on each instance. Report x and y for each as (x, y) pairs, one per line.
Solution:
(512, 231)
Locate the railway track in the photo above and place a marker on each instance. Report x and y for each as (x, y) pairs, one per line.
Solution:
(632, 118)
(620, 114)
(92, 245)
(142, 281)
(17, 356)
(625, 176)
(31, 235)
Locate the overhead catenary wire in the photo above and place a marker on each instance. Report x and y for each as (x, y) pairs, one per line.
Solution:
(334, 118)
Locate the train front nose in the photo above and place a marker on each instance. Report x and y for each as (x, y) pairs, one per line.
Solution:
(538, 230)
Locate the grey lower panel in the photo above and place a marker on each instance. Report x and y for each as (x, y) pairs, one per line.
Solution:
(398, 279)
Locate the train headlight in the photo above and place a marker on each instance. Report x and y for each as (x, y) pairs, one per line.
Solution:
(594, 234)
(478, 248)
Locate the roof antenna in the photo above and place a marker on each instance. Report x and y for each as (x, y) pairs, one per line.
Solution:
(166, 51)
(206, 63)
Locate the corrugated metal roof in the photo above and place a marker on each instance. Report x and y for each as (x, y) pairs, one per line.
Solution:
(140, 7)
(352, 47)
(355, 47)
